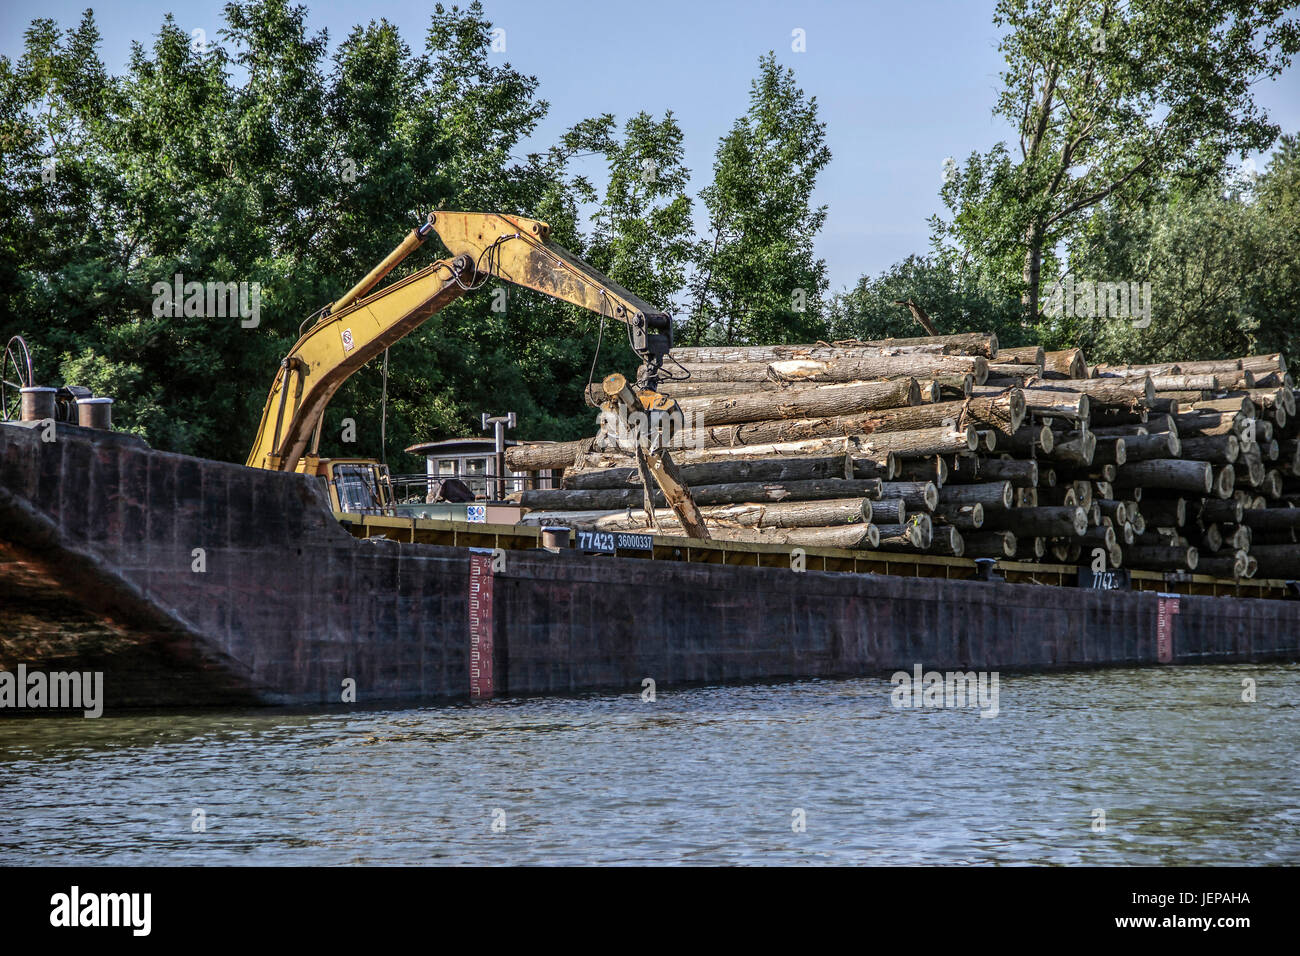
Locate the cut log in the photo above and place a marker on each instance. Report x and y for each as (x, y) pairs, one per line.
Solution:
(825, 401)
(963, 343)
(1010, 370)
(1177, 474)
(1068, 363)
(1165, 512)
(1224, 567)
(1048, 522)
(1029, 441)
(791, 514)
(776, 470)
(1101, 536)
(1205, 424)
(922, 442)
(1022, 355)
(1157, 445)
(1075, 448)
(887, 511)
(1021, 474)
(916, 534)
(925, 469)
(693, 389)
(950, 387)
(916, 365)
(1118, 392)
(1053, 403)
(542, 456)
(963, 517)
(1265, 518)
(1224, 480)
(1109, 451)
(1277, 560)
(1221, 449)
(1160, 558)
(947, 540)
(990, 544)
(992, 494)
(918, 495)
(738, 492)
(1230, 511)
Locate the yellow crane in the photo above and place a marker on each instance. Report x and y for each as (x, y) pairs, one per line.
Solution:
(358, 327)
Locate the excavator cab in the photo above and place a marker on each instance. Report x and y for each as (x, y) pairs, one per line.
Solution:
(356, 485)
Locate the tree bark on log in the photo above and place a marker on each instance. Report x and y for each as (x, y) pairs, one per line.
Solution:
(916, 365)
(1165, 512)
(1146, 447)
(1155, 557)
(887, 511)
(1075, 448)
(1104, 392)
(1220, 449)
(1230, 511)
(946, 540)
(1029, 441)
(1224, 567)
(787, 514)
(1265, 518)
(824, 401)
(1020, 473)
(776, 470)
(918, 495)
(1109, 451)
(740, 492)
(990, 544)
(1206, 424)
(1277, 560)
(991, 494)
(1046, 522)
(951, 387)
(962, 517)
(1076, 406)
(541, 456)
(1173, 473)
(917, 534)
(1022, 355)
(963, 343)
(1068, 363)
(946, 417)
(934, 468)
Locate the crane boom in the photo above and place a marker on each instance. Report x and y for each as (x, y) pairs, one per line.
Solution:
(361, 324)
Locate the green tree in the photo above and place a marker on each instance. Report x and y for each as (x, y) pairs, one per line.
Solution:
(951, 295)
(1223, 264)
(261, 157)
(757, 277)
(1110, 100)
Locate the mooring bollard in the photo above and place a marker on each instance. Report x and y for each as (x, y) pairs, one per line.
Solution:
(37, 403)
(95, 413)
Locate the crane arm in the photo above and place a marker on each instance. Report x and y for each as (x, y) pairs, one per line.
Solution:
(361, 324)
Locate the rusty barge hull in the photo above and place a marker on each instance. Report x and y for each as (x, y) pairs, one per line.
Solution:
(101, 569)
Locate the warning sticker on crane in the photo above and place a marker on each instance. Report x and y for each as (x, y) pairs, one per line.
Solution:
(347, 340)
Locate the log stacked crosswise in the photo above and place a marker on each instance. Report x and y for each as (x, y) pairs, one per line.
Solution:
(951, 445)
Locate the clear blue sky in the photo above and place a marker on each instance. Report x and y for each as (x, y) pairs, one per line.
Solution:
(901, 86)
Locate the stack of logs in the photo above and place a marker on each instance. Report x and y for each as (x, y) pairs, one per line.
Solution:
(949, 445)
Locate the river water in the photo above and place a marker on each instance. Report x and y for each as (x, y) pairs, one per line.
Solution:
(1183, 769)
